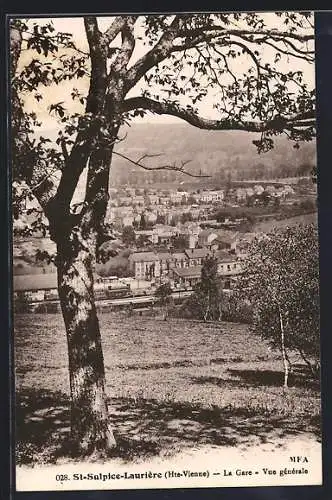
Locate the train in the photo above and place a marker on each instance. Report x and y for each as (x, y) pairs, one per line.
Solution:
(102, 291)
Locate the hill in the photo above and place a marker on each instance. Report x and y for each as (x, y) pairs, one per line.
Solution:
(220, 154)
(274, 224)
(216, 153)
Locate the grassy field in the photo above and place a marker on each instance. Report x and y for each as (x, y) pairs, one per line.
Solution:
(271, 225)
(172, 386)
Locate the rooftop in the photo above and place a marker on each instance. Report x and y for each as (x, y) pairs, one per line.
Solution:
(164, 256)
(33, 282)
(205, 233)
(196, 253)
(224, 256)
(179, 255)
(226, 236)
(143, 257)
(188, 272)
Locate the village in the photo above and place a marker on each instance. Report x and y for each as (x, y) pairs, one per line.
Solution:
(163, 236)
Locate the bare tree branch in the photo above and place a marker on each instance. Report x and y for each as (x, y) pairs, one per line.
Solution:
(189, 115)
(221, 35)
(272, 33)
(299, 54)
(173, 167)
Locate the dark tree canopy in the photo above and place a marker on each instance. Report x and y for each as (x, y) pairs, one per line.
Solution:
(206, 301)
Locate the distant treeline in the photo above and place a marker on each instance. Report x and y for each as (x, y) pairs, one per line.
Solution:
(221, 155)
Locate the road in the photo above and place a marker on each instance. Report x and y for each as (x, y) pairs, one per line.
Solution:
(143, 299)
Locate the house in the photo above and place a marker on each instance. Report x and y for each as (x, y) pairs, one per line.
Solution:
(145, 265)
(195, 256)
(193, 240)
(211, 196)
(241, 194)
(287, 191)
(153, 199)
(176, 197)
(163, 200)
(146, 234)
(227, 264)
(249, 192)
(229, 268)
(179, 260)
(187, 277)
(205, 197)
(226, 240)
(165, 262)
(138, 200)
(206, 237)
(151, 217)
(163, 234)
(270, 189)
(36, 287)
(217, 195)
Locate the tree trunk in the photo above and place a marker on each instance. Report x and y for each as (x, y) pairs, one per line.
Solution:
(307, 362)
(90, 426)
(165, 312)
(283, 350)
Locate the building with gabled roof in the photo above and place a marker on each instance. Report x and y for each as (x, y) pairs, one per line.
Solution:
(145, 265)
(187, 277)
(165, 262)
(225, 240)
(196, 255)
(180, 260)
(206, 237)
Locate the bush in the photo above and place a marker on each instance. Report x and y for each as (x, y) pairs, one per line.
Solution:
(21, 302)
(236, 310)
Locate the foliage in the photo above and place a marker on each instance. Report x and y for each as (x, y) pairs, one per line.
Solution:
(186, 217)
(164, 293)
(142, 223)
(164, 297)
(128, 235)
(115, 266)
(21, 302)
(179, 242)
(282, 278)
(161, 219)
(206, 301)
(236, 310)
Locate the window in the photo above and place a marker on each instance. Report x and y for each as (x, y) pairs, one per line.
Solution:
(228, 267)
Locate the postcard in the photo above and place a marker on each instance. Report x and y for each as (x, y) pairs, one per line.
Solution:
(165, 251)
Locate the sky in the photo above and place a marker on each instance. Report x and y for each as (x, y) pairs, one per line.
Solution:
(61, 92)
